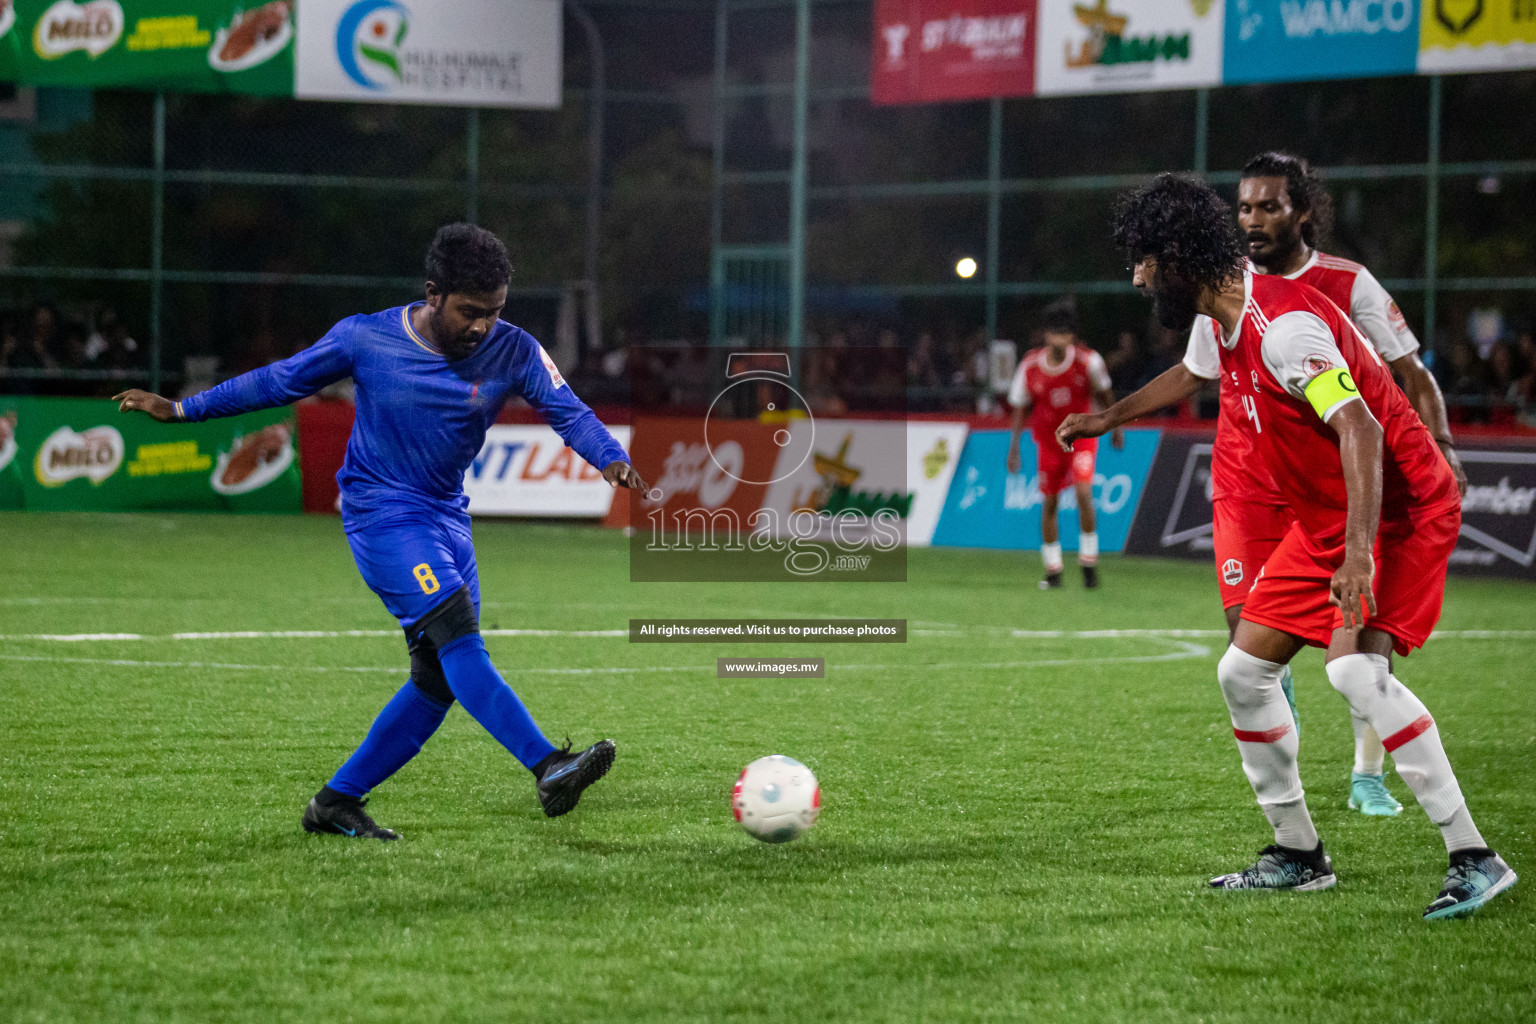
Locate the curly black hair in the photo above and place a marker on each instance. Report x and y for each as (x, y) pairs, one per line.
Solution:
(1305, 187)
(1184, 225)
(466, 258)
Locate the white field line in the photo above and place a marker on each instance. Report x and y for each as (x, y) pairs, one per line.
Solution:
(1183, 651)
(1020, 634)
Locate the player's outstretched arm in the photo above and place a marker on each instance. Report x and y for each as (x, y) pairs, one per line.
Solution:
(1016, 428)
(622, 474)
(1360, 440)
(1172, 385)
(134, 400)
(1425, 397)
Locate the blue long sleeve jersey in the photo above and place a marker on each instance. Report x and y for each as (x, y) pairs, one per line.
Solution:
(421, 419)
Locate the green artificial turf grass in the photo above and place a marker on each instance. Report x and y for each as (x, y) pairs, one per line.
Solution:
(1014, 828)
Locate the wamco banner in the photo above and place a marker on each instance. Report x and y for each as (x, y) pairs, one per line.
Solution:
(71, 454)
(988, 507)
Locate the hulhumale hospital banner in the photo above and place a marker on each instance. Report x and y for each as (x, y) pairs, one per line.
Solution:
(487, 53)
(925, 50)
(82, 454)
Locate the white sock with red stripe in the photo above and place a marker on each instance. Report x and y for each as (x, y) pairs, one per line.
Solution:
(1088, 548)
(1050, 555)
(1266, 739)
(1410, 735)
(1370, 755)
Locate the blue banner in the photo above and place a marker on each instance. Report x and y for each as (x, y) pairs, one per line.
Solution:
(987, 507)
(1291, 40)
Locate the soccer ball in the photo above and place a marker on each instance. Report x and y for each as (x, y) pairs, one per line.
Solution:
(776, 798)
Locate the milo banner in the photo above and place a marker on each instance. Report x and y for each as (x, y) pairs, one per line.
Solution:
(188, 45)
(72, 454)
(491, 53)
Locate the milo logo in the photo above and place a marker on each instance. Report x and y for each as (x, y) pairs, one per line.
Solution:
(65, 27)
(94, 454)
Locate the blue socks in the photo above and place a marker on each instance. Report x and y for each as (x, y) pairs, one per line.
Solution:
(407, 721)
(480, 688)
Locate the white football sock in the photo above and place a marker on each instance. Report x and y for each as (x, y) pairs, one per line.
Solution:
(1266, 739)
(1050, 554)
(1459, 833)
(1370, 755)
(1409, 734)
(1088, 548)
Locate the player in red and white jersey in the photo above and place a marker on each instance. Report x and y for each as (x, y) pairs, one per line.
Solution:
(1058, 379)
(1362, 570)
(1283, 208)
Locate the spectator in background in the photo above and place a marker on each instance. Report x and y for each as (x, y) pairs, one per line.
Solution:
(921, 371)
(110, 346)
(1525, 349)
(1503, 375)
(1167, 352)
(38, 348)
(1124, 362)
(1464, 381)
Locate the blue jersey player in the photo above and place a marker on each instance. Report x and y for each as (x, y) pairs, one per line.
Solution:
(430, 378)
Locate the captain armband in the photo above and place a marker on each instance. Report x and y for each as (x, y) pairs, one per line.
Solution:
(1327, 391)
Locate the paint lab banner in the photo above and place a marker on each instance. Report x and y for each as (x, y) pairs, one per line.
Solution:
(529, 471)
(81, 454)
(925, 51)
(484, 53)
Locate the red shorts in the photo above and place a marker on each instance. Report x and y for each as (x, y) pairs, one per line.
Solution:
(1060, 470)
(1291, 593)
(1246, 533)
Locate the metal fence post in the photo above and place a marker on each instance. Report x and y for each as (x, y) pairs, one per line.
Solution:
(717, 184)
(1432, 215)
(157, 244)
(472, 166)
(797, 174)
(1202, 129)
(994, 209)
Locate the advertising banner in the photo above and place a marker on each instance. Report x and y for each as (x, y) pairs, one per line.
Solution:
(476, 53)
(988, 507)
(927, 50)
(186, 45)
(867, 466)
(1498, 515)
(1289, 40)
(1128, 45)
(1477, 35)
(1175, 516)
(73, 454)
(529, 471)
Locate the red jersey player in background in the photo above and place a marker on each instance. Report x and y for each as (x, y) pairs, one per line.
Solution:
(1060, 378)
(1361, 572)
(1283, 209)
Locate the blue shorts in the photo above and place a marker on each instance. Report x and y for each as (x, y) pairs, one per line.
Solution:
(415, 562)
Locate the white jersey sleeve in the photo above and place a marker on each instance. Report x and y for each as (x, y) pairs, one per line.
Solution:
(1201, 356)
(1098, 373)
(1379, 319)
(1018, 397)
(1298, 347)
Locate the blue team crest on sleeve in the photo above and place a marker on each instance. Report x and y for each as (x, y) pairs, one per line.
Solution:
(554, 371)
